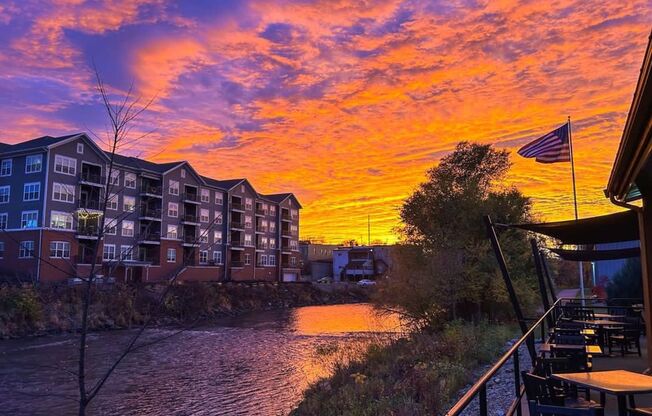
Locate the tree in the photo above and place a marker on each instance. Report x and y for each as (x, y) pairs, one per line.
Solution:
(627, 283)
(447, 264)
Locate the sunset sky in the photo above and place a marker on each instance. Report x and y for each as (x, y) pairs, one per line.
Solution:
(346, 104)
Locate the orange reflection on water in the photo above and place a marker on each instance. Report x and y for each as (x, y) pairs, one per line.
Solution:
(341, 319)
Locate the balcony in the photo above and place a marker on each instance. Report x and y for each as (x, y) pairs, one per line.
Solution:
(190, 219)
(144, 257)
(87, 231)
(237, 243)
(285, 216)
(153, 213)
(151, 237)
(190, 197)
(151, 190)
(87, 259)
(238, 225)
(236, 206)
(260, 211)
(92, 178)
(89, 204)
(190, 239)
(237, 264)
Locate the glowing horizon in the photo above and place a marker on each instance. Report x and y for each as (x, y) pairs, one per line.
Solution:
(345, 105)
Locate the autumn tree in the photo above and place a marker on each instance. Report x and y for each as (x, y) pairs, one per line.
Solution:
(444, 267)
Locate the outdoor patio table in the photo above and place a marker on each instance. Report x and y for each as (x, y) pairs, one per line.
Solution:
(620, 383)
(590, 349)
(607, 316)
(602, 322)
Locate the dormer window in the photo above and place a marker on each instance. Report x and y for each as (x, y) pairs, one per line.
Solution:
(80, 148)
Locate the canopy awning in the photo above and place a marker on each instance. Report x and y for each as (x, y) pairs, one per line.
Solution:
(612, 228)
(597, 255)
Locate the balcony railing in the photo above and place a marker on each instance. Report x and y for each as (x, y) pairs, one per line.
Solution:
(87, 259)
(237, 243)
(285, 215)
(89, 204)
(88, 230)
(150, 212)
(187, 196)
(261, 211)
(151, 189)
(147, 258)
(150, 236)
(190, 239)
(237, 264)
(92, 178)
(189, 218)
(237, 206)
(235, 224)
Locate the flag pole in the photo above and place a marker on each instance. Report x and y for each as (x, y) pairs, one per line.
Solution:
(572, 159)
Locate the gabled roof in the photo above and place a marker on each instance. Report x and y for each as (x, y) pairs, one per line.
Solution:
(142, 164)
(278, 198)
(213, 182)
(226, 184)
(34, 144)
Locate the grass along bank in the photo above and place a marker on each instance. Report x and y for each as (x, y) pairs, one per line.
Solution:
(418, 375)
(32, 310)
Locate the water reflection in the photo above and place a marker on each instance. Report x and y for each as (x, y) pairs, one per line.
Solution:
(255, 365)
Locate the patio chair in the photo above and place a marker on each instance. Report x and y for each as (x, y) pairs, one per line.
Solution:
(541, 390)
(562, 338)
(536, 409)
(626, 338)
(575, 360)
(584, 314)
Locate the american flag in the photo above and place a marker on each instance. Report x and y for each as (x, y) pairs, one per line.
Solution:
(551, 148)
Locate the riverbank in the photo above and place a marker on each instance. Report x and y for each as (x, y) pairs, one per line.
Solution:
(418, 375)
(33, 311)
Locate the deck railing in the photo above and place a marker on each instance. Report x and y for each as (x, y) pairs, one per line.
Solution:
(479, 388)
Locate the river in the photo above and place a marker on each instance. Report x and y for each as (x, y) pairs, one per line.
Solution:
(255, 364)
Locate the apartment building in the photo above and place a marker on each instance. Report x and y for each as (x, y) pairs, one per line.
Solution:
(163, 220)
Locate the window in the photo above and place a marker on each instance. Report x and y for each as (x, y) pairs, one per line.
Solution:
(272, 226)
(110, 226)
(294, 230)
(271, 260)
(172, 255)
(242, 188)
(129, 203)
(217, 237)
(263, 225)
(26, 249)
(2, 249)
(32, 191)
(127, 228)
(205, 195)
(247, 221)
(218, 218)
(204, 215)
(217, 257)
(173, 188)
(130, 180)
(272, 243)
(114, 178)
(293, 244)
(65, 165)
(61, 220)
(59, 249)
(172, 231)
(247, 259)
(248, 204)
(6, 167)
(203, 257)
(63, 193)
(219, 200)
(112, 202)
(265, 209)
(33, 163)
(293, 261)
(126, 253)
(173, 209)
(108, 252)
(294, 213)
(183, 173)
(29, 219)
(4, 219)
(80, 148)
(263, 260)
(4, 194)
(272, 210)
(248, 240)
(203, 236)
(263, 242)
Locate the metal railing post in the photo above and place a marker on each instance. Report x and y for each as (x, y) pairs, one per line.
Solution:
(483, 400)
(517, 381)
